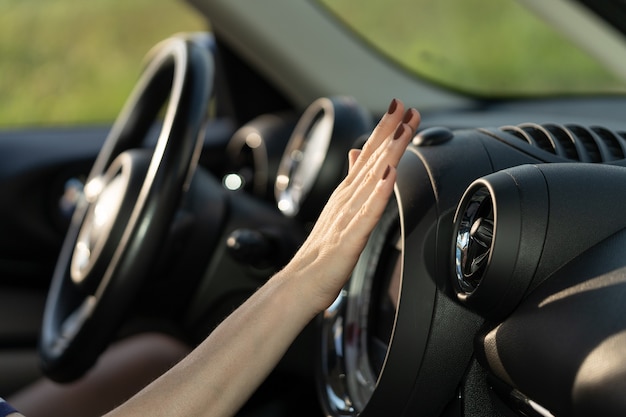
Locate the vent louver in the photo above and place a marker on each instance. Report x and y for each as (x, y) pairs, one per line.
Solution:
(573, 142)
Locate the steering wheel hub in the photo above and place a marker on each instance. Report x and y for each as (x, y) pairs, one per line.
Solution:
(110, 199)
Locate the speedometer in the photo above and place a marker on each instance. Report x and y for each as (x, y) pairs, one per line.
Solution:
(315, 158)
(304, 158)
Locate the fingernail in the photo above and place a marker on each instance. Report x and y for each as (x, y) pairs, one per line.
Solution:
(399, 132)
(408, 116)
(392, 106)
(386, 174)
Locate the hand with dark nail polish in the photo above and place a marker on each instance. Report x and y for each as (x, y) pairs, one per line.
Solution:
(226, 368)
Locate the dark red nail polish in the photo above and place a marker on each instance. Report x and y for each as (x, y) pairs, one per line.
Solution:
(399, 132)
(392, 106)
(386, 174)
(408, 116)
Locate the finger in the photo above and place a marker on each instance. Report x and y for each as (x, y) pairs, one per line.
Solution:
(377, 201)
(384, 128)
(369, 213)
(365, 180)
(353, 155)
(365, 173)
(389, 153)
(412, 117)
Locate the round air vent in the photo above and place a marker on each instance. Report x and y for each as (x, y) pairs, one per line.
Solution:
(474, 239)
(495, 220)
(515, 227)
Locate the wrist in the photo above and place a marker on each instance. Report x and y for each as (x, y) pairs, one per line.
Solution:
(302, 288)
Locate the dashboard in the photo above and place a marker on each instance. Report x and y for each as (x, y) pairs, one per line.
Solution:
(483, 219)
(501, 245)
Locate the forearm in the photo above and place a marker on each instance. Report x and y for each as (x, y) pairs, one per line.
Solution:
(234, 359)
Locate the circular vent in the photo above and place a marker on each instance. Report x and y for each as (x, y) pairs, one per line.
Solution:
(574, 142)
(474, 239)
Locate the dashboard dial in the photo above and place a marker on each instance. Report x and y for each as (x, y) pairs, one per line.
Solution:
(357, 329)
(254, 153)
(314, 160)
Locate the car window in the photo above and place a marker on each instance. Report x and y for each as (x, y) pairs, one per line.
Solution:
(67, 62)
(483, 47)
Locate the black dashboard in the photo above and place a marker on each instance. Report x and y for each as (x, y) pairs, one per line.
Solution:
(502, 244)
(495, 213)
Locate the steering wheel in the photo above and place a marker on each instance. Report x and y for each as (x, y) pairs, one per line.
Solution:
(130, 199)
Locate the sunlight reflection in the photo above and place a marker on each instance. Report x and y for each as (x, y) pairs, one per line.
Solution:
(604, 362)
(600, 282)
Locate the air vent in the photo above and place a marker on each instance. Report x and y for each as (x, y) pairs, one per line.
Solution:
(573, 142)
(474, 239)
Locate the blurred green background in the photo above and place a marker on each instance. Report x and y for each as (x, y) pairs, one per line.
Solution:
(488, 48)
(72, 62)
(68, 62)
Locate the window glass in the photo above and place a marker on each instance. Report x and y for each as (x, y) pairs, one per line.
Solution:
(490, 48)
(72, 62)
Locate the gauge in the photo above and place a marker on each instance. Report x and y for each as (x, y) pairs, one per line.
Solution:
(315, 158)
(304, 156)
(357, 328)
(254, 153)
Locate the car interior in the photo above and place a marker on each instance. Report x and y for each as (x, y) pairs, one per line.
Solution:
(493, 285)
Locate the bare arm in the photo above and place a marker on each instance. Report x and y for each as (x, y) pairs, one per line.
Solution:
(222, 372)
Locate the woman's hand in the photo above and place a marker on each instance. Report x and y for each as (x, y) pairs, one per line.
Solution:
(341, 231)
(224, 370)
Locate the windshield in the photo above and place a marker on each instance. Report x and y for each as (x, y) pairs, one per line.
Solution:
(488, 48)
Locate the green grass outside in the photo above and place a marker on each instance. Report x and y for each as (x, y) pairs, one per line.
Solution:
(484, 47)
(68, 62)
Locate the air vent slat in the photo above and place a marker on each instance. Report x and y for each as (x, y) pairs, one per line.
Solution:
(573, 142)
(588, 140)
(543, 138)
(571, 147)
(614, 147)
(520, 134)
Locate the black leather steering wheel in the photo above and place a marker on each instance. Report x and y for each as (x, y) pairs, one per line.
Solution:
(130, 199)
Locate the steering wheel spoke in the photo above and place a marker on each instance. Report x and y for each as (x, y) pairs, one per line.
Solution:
(73, 323)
